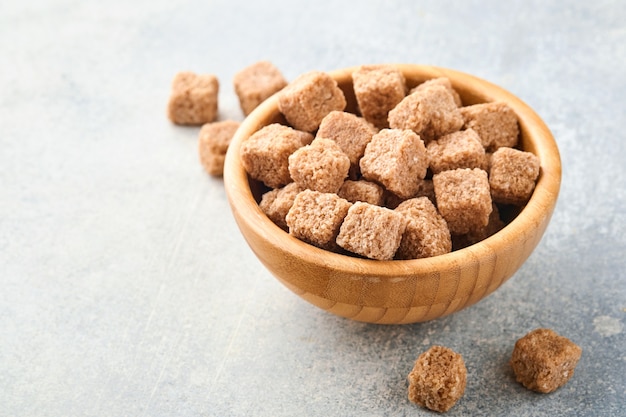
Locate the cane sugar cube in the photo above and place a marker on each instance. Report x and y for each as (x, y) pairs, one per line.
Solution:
(352, 133)
(456, 150)
(321, 166)
(362, 190)
(277, 202)
(544, 361)
(426, 233)
(371, 231)
(430, 112)
(213, 143)
(426, 189)
(513, 175)
(255, 83)
(265, 155)
(396, 159)
(444, 81)
(315, 218)
(494, 225)
(463, 199)
(487, 161)
(193, 100)
(309, 98)
(495, 123)
(378, 89)
(392, 201)
(438, 379)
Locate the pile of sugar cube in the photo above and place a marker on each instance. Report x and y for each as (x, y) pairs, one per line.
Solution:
(413, 174)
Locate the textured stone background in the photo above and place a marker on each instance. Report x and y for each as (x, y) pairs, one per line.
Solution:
(127, 289)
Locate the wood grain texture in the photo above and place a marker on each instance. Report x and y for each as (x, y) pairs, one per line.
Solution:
(399, 291)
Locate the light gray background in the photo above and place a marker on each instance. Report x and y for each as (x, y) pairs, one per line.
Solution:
(126, 288)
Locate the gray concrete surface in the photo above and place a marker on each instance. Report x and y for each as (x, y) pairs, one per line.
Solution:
(126, 288)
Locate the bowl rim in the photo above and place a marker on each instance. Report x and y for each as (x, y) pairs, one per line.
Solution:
(533, 130)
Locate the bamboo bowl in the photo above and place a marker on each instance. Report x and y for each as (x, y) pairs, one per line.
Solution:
(395, 291)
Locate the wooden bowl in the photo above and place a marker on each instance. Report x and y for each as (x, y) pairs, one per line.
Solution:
(396, 291)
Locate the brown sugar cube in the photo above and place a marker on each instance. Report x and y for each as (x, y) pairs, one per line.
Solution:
(371, 231)
(430, 112)
(463, 199)
(309, 98)
(265, 155)
(512, 175)
(277, 202)
(425, 189)
(494, 225)
(396, 159)
(444, 81)
(193, 100)
(392, 201)
(495, 123)
(426, 231)
(352, 133)
(316, 217)
(362, 190)
(378, 89)
(487, 161)
(255, 83)
(438, 379)
(213, 143)
(544, 361)
(456, 150)
(320, 166)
